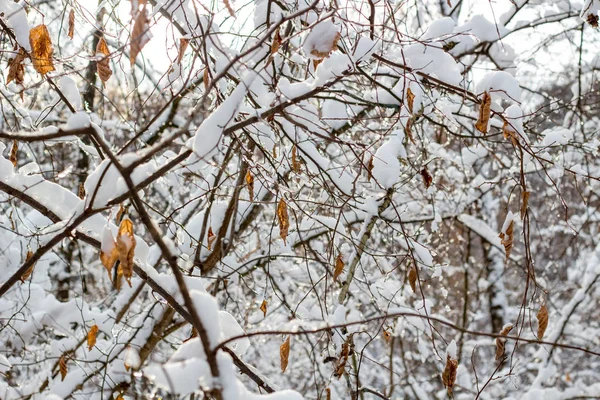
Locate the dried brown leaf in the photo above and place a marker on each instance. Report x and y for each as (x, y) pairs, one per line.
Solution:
(62, 367)
(410, 99)
(387, 336)
(29, 271)
(509, 133)
(103, 65)
(524, 203)
(316, 63)
(183, 44)
(328, 394)
(500, 342)
(81, 191)
(263, 307)
(332, 47)
(71, 24)
(139, 34)
(449, 374)
(211, 238)
(14, 153)
(408, 130)
(412, 279)
(295, 163)
(91, 337)
(343, 359)
(276, 44)
(284, 354)
(110, 257)
(284, 221)
(339, 267)
(126, 247)
(120, 213)
(542, 317)
(427, 178)
(16, 69)
(41, 49)
(250, 185)
(592, 19)
(507, 238)
(484, 113)
(205, 78)
(370, 167)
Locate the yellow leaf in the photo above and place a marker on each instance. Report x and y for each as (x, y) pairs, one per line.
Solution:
(126, 247)
(542, 317)
(62, 367)
(339, 267)
(284, 354)
(41, 49)
(250, 185)
(484, 113)
(263, 307)
(140, 34)
(284, 222)
(71, 24)
(91, 337)
(103, 65)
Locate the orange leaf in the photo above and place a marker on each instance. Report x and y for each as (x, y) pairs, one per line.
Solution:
(91, 337)
(41, 49)
(103, 65)
(263, 307)
(284, 222)
(126, 247)
(108, 252)
(484, 113)
(250, 185)
(284, 354)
